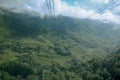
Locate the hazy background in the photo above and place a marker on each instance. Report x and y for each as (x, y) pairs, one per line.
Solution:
(105, 10)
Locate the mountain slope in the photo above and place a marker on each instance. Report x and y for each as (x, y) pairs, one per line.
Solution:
(49, 46)
(61, 36)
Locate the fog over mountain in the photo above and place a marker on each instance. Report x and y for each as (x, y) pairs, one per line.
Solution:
(103, 10)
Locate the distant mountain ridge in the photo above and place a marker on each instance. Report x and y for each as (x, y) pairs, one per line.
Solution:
(84, 32)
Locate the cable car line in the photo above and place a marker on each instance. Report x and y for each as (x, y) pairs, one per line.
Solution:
(104, 7)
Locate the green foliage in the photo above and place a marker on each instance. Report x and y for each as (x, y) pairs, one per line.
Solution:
(4, 32)
(15, 69)
(59, 48)
(6, 76)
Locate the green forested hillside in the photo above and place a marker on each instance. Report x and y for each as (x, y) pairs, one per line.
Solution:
(57, 48)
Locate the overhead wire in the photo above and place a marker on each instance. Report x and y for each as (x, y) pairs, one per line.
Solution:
(108, 7)
(102, 9)
(53, 8)
(50, 5)
(94, 15)
(47, 3)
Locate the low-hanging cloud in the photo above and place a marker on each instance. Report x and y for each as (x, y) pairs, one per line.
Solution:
(61, 8)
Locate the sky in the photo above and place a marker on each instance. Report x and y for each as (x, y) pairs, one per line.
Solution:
(103, 10)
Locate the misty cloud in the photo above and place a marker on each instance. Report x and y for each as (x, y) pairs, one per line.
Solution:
(61, 8)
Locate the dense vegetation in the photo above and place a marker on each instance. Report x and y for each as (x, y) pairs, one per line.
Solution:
(61, 48)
